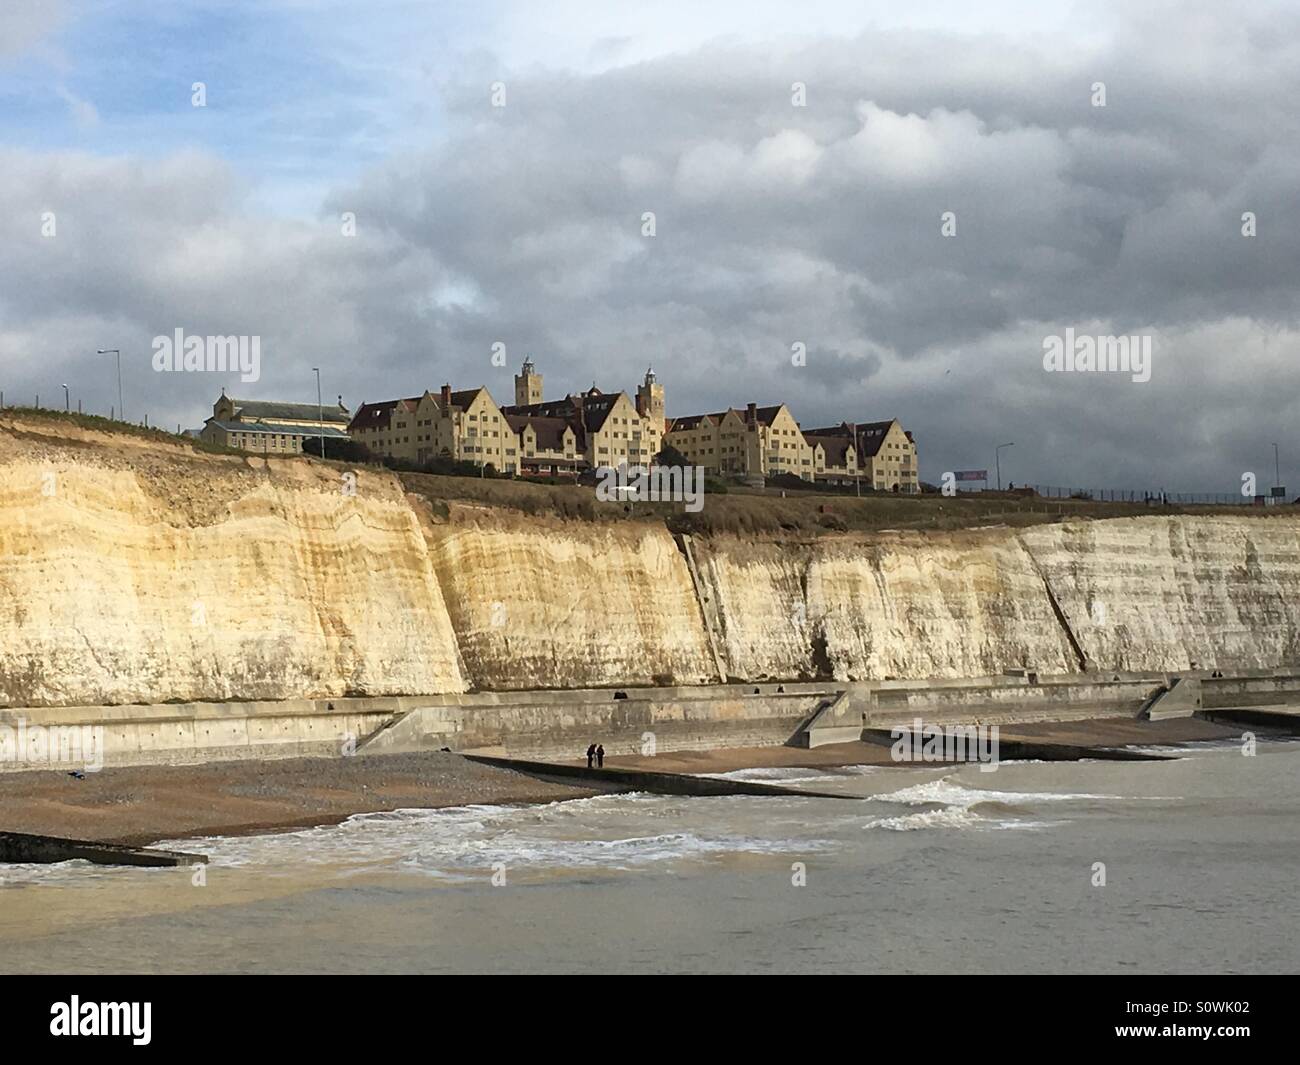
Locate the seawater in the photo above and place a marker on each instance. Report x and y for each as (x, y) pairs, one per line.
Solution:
(937, 870)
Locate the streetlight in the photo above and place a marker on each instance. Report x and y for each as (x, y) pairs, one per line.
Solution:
(857, 464)
(67, 404)
(1277, 468)
(114, 351)
(997, 460)
(320, 413)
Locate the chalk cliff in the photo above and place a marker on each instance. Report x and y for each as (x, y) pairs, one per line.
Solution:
(948, 604)
(538, 603)
(1166, 593)
(134, 570)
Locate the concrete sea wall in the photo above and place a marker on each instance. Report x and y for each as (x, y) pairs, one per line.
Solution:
(559, 725)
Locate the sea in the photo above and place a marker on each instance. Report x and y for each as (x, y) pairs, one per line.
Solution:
(1189, 865)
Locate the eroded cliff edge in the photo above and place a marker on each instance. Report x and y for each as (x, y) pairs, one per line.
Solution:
(133, 570)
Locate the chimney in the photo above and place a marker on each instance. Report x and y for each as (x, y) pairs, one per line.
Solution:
(751, 414)
(445, 401)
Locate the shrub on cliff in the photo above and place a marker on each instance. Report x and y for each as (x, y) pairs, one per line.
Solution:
(670, 456)
(339, 450)
(443, 467)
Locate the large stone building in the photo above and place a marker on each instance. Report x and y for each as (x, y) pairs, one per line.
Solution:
(273, 428)
(768, 441)
(465, 425)
(885, 453)
(756, 441)
(592, 428)
(546, 446)
(609, 428)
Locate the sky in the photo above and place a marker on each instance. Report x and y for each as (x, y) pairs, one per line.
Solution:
(864, 210)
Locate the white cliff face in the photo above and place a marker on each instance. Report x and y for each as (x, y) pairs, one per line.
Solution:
(1164, 593)
(139, 571)
(544, 604)
(889, 605)
(144, 574)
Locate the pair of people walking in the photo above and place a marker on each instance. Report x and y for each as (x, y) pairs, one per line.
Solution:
(596, 752)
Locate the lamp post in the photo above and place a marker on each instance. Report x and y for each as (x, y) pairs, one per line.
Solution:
(320, 413)
(857, 464)
(1277, 468)
(67, 403)
(997, 461)
(121, 412)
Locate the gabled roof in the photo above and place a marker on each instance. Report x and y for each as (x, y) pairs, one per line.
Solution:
(269, 409)
(835, 448)
(466, 396)
(550, 431)
(330, 432)
(554, 408)
(870, 435)
(379, 415)
(694, 421)
(596, 406)
(691, 421)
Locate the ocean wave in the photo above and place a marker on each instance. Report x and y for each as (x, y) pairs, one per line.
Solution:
(531, 853)
(609, 832)
(949, 817)
(958, 806)
(946, 792)
(783, 774)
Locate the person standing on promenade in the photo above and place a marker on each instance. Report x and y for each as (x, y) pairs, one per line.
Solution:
(600, 757)
(591, 753)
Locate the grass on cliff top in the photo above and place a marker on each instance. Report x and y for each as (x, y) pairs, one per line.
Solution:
(99, 423)
(745, 511)
(740, 511)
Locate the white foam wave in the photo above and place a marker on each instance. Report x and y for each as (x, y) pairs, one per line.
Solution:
(599, 833)
(948, 793)
(950, 817)
(784, 774)
(958, 806)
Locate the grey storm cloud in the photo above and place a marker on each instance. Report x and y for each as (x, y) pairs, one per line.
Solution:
(774, 225)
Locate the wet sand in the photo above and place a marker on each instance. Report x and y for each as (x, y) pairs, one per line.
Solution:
(1101, 732)
(144, 804)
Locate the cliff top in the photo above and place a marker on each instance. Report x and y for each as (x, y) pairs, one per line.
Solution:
(159, 455)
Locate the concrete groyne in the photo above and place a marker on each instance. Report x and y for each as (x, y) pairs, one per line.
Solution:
(642, 780)
(1022, 750)
(20, 847)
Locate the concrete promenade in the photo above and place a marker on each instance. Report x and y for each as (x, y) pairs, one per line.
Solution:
(558, 724)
